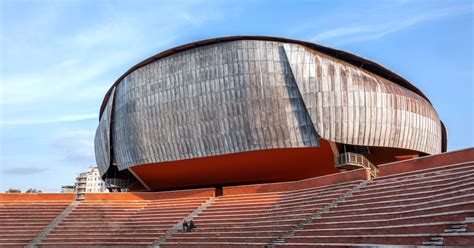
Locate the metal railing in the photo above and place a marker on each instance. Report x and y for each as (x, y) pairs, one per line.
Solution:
(117, 184)
(350, 161)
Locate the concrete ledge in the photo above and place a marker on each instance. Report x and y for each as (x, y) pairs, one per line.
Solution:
(432, 161)
(332, 179)
(37, 197)
(303, 245)
(209, 192)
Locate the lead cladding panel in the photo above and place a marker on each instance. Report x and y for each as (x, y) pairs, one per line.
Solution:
(352, 106)
(102, 138)
(213, 100)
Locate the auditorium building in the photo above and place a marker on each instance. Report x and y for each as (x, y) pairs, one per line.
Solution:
(262, 142)
(251, 109)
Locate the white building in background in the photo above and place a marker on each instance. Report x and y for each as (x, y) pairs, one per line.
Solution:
(90, 182)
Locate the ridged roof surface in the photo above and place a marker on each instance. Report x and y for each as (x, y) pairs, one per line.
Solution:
(339, 54)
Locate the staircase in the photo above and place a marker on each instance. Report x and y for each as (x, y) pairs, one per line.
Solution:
(22, 220)
(256, 220)
(415, 208)
(120, 222)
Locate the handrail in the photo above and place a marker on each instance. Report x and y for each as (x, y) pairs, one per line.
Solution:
(349, 160)
(116, 183)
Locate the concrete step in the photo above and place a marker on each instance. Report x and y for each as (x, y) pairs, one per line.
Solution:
(275, 207)
(20, 228)
(398, 239)
(274, 217)
(218, 233)
(454, 216)
(30, 210)
(102, 235)
(466, 166)
(213, 244)
(396, 229)
(17, 240)
(458, 239)
(455, 230)
(369, 199)
(91, 239)
(417, 179)
(123, 219)
(413, 188)
(271, 212)
(19, 231)
(249, 223)
(93, 244)
(313, 189)
(470, 227)
(376, 203)
(135, 229)
(140, 213)
(139, 206)
(289, 198)
(106, 226)
(256, 228)
(399, 214)
(13, 245)
(27, 219)
(127, 222)
(371, 188)
(337, 245)
(24, 224)
(266, 205)
(261, 239)
(348, 210)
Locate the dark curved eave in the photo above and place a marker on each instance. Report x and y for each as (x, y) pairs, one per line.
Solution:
(344, 56)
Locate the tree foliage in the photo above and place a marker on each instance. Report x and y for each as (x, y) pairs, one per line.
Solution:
(30, 190)
(12, 190)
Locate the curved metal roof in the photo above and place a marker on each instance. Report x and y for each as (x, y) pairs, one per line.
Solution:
(344, 56)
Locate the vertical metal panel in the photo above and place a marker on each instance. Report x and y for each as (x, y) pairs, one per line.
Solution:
(251, 95)
(230, 97)
(374, 124)
(102, 142)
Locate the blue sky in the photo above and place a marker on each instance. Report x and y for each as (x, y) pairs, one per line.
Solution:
(58, 58)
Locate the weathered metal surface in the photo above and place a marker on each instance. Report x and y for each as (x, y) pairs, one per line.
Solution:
(342, 55)
(249, 95)
(352, 106)
(102, 142)
(213, 100)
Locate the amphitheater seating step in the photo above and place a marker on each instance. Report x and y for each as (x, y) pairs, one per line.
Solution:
(257, 218)
(411, 208)
(21, 220)
(120, 222)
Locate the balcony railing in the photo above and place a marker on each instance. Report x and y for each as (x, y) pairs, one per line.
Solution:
(116, 184)
(350, 161)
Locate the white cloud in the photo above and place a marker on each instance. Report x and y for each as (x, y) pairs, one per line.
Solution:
(61, 65)
(356, 33)
(77, 146)
(22, 170)
(57, 119)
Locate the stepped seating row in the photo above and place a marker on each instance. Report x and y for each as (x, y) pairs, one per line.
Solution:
(120, 222)
(21, 221)
(403, 209)
(257, 219)
(424, 207)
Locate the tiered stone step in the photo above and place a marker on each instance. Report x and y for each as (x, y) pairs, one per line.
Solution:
(121, 222)
(256, 219)
(404, 209)
(21, 220)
